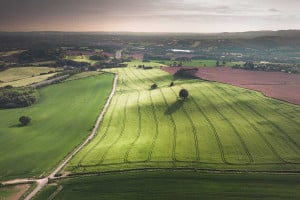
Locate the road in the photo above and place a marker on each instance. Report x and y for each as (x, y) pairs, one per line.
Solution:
(43, 181)
(119, 54)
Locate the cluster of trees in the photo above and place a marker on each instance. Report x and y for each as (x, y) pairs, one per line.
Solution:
(218, 63)
(99, 57)
(186, 72)
(39, 54)
(17, 97)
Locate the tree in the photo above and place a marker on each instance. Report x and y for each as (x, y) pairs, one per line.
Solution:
(249, 65)
(183, 93)
(24, 120)
(153, 86)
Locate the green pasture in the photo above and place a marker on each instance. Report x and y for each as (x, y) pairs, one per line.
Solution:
(218, 127)
(83, 75)
(61, 119)
(175, 185)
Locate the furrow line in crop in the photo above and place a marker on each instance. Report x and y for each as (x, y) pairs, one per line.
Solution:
(120, 134)
(253, 126)
(193, 127)
(104, 134)
(139, 130)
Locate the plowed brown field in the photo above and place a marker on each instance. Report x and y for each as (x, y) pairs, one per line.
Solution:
(277, 85)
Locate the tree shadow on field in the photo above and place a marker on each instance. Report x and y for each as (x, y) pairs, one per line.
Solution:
(174, 107)
(16, 126)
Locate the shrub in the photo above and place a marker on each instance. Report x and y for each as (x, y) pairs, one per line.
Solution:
(153, 86)
(183, 93)
(171, 84)
(24, 120)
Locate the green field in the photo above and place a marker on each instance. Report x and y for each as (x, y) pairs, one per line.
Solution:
(175, 185)
(62, 118)
(18, 73)
(28, 81)
(83, 58)
(219, 127)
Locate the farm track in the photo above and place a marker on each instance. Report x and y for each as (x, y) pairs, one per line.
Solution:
(172, 121)
(120, 134)
(256, 129)
(193, 127)
(102, 137)
(233, 128)
(139, 130)
(214, 131)
(156, 128)
(211, 122)
(170, 116)
(130, 85)
(277, 127)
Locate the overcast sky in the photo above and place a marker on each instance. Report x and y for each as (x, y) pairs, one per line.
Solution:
(149, 15)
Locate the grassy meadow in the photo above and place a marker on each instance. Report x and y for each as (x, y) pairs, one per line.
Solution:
(61, 119)
(175, 185)
(18, 73)
(83, 58)
(22, 76)
(218, 127)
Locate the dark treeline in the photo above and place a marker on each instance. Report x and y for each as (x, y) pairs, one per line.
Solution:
(17, 97)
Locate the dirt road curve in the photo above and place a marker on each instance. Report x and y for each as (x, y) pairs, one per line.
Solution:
(42, 182)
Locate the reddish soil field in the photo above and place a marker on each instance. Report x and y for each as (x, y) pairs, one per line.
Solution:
(277, 85)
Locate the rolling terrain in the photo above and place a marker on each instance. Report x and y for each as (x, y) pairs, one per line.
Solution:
(217, 127)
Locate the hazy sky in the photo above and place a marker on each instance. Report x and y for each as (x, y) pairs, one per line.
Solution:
(149, 15)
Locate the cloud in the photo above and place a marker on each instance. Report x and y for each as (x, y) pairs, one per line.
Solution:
(274, 10)
(122, 14)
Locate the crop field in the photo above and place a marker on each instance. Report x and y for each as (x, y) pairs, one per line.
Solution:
(175, 185)
(61, 119)
(218, 127)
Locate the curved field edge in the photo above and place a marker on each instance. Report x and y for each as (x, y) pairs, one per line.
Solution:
(233, 130)
(175, 185)
(63, 117)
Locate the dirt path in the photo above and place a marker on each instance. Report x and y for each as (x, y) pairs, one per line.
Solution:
(42, 182)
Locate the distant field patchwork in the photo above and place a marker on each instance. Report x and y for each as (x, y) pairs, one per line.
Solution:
(218, 127)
